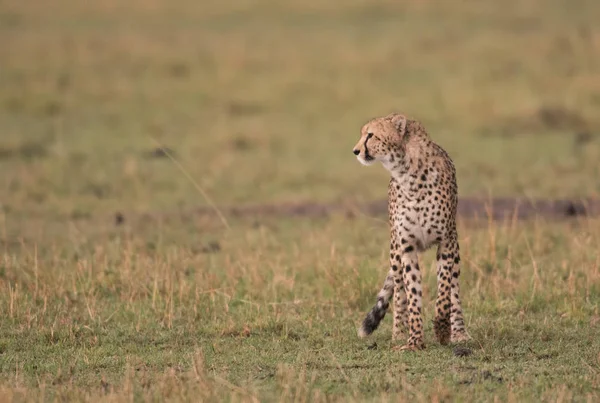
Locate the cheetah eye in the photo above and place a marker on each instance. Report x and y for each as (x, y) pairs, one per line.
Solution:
(369, 135)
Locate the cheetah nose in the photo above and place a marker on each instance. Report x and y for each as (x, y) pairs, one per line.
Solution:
(356, 152)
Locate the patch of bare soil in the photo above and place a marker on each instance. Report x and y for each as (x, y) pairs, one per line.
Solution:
(469, 208)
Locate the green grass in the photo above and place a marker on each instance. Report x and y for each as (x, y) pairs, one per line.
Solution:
(261, 102)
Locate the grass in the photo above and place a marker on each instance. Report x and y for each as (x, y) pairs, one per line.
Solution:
(261, 102)
(271, 313)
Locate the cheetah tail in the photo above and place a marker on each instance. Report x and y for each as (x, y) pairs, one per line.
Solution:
(377, 313)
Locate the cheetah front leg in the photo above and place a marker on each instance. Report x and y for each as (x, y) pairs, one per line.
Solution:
(414, 291)
(459, 332)
(449, 323)
(443, 304)
(400, 301)
(400, 311)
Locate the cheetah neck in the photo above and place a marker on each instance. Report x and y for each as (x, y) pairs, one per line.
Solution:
(405, 172)
(411, 162)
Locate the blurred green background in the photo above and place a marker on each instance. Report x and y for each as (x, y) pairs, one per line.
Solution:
(262, 101)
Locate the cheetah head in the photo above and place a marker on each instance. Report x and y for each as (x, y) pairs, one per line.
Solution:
(380, 139)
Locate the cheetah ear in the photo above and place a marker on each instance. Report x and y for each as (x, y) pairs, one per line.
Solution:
(399, 122)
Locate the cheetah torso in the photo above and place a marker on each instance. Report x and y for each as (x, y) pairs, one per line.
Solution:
(422, 199)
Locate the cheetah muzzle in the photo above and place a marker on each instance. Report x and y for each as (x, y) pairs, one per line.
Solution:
(422, 200)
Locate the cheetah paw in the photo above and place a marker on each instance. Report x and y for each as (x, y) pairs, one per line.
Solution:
(409, 347)
(460, 337)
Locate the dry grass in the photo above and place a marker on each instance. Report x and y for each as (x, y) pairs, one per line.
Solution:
(269, 311)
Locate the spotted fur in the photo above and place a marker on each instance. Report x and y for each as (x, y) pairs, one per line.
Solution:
(422, 200)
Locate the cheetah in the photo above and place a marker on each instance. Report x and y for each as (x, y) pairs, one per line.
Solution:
(422, 199)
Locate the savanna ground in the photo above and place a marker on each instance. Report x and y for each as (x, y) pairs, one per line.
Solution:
(110, 291)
